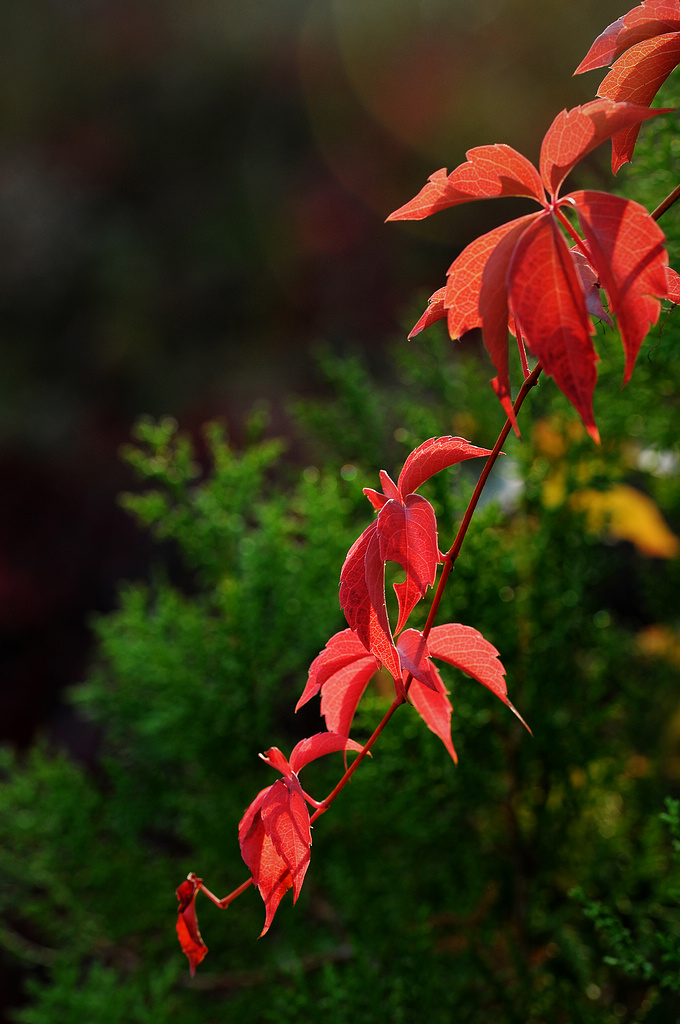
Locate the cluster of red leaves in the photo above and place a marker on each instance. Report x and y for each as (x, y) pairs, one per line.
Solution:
(523, 275)
(642, 48)
(404, 532)
(343, 669)
(522, 278)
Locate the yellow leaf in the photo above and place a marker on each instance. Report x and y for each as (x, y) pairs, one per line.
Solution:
(628, 514)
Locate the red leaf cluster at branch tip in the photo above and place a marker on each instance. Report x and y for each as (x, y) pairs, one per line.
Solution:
(642, 47)
(187, 924)
(524, 275)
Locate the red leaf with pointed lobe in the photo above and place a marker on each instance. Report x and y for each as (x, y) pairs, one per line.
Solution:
(408, 536)
(489, 171)
(673, 285)
(362, 598)
(493, 305)
(341, 694)
(466, 276)
(547, 300)
(187, 925)
(404, 532)
(285, 818)
(341, 671)
(275, 759)
(340, 654)
(591, 287)
(431, 457)
(651, 18)
(426, 692)
(434, 707)
(627, 251)
(578, 131)
(436, 310)
(319, 745)
(268, 869)
(465, 648)
(414, 655)
(636, 77)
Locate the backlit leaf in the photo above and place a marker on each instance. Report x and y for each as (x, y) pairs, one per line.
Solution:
(431, 457)
(547, 299)
(651, 18)
(187, 925)
(408, 536)
(627, 251)
(578, 131)
(489, 171)
(465, 648)
(636, 77)
(362, 598)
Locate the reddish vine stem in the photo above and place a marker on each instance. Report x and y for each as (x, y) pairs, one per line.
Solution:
(666, 204)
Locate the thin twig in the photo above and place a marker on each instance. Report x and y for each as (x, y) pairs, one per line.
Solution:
(666, 204)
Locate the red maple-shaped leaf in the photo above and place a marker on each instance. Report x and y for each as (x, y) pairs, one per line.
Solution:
(187, 924)
(405, 532)
(646, 42)
(525, 274)
(274, 833)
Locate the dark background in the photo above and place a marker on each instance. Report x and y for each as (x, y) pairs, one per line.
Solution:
(192, 198)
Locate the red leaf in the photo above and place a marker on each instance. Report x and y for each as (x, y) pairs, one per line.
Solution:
(435, 709)
(408, 536)
(436, 310)
(285, 818)
(341, 672)
(673, 285)
(547, 300)
(627, 251)
(576, 132)
(362, 598)
(465, 648)
(269, 871)
(493, 305)
(319, 745)
(636, 77)
(187, 924)
(340, 653)
(426, 692)
(414, 655)
(341, 694)
(431, 457)
(274, 832)
(277, 760)
(591, 286)
(651, 18)
(466, 275)
(489, 171)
